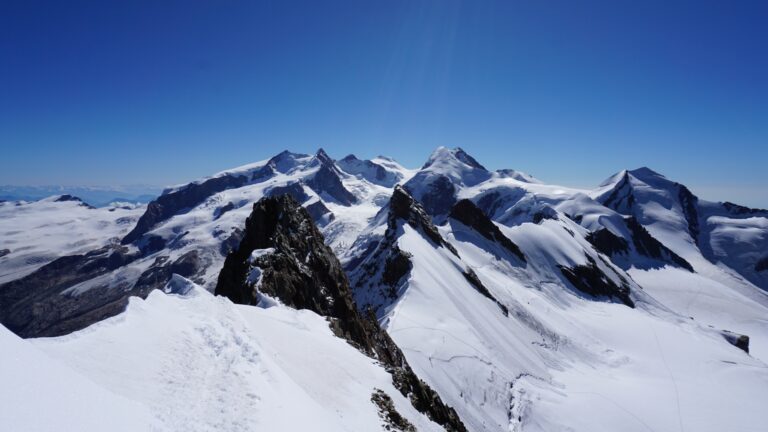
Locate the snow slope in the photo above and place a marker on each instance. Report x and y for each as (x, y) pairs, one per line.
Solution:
(40, 394)
(561, 361)
(216, 366)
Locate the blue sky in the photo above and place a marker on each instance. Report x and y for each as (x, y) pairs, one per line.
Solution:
(142, 92)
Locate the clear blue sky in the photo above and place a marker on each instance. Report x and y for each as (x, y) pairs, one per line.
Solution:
(107, 92)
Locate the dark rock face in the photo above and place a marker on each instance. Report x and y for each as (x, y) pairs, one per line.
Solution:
(33, 306)
(403, 206)
(740, 341)
(607, 242)
(739, 210)
(165, 206)
(642, 241)
(761, 265)
(647, 245)
(467, 213)
(690, 204)
(326, 180)
(621, 198)
(303, 273)
(378, 271)
(36, 304)
(67, 197)
(318, 211)
(393, 420)
(396, 267)
(473, 280)
(591, 280)
(231, 242)
(4, 252)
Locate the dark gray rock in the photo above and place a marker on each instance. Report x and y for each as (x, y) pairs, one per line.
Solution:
(318, 211)
(393, 420)
(642, 242)
(589, 279)
(739, 210)
(647, 245)
(608, 243)
(473, 280)
(4, 252)
(403, 206)
(305, 274)
(231, 242)
(67, 197)
(326, 181)
(470, 215)
(33, 306)
(690, 204)
(740, 341)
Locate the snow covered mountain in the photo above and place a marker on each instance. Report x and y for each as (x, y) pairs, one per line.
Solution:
(445, 297)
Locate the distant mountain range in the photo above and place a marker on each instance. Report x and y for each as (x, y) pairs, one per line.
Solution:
(96, 196)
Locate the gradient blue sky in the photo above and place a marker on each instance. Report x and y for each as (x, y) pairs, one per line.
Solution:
(164, 92)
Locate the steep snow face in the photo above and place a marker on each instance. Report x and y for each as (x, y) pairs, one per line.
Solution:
(667, 209)
(215, 366)
(33, 234)
(722, 242)
(558, 354)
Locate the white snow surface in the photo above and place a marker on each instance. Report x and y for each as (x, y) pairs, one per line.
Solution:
(195, 363)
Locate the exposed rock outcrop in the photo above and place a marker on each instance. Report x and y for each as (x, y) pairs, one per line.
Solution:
(740, 341)
(473, 280)
(403, 206)
(467, 213)
(283, 256)
(326, 181)
(589, 279)
(33, 306)
(642, 242)
(67, 197)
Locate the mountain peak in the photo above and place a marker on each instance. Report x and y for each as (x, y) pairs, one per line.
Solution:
(443, 156)
(645, 173)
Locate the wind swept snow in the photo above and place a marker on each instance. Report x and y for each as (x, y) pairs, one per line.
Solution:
(200, 363)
